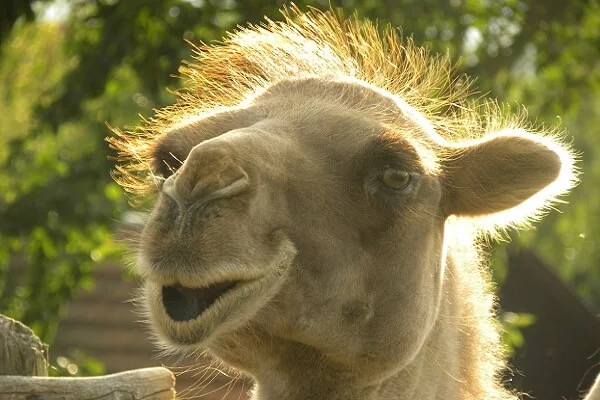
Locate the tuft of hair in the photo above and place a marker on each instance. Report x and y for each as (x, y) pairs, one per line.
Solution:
(327, 45)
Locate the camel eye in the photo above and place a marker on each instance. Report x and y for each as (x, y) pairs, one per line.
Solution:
(396, 179)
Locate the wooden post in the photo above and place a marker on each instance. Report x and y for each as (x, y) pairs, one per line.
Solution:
(594, 393)
(24, 370)
(147, 384)
(21, 351)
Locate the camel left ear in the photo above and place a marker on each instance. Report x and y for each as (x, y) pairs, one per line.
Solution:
(499, 172)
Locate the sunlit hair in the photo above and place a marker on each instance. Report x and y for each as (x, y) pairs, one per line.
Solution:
(424, 86)
(324, 45)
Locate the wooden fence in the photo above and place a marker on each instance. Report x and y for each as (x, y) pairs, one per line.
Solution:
(24, 374)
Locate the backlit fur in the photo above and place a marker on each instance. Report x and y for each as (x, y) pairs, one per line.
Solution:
(353, 66)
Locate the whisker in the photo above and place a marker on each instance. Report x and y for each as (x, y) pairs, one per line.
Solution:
(175, 157)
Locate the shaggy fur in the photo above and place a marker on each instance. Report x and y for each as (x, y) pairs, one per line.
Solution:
(341, 181)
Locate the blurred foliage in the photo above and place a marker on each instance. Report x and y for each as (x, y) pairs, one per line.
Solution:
(78, 363)
(110, 60)
(13, 11)
(513, 324)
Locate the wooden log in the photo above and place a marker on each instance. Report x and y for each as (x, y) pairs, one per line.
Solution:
(148, 384)
(594, 393)
(21, 351)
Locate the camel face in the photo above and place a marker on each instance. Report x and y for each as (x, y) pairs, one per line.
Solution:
(299, 217)
(322, 192)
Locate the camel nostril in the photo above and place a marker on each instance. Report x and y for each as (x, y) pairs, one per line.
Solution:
(234, 188)
(210, 171)
(188, 186)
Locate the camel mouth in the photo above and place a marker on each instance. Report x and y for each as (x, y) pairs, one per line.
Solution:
(188, 311)
(184, 304)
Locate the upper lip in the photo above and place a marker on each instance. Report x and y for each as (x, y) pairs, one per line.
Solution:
(194, 276)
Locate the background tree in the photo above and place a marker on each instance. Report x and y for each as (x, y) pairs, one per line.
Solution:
(111, 60)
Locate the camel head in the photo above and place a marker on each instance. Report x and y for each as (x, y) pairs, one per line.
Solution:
(303, 219)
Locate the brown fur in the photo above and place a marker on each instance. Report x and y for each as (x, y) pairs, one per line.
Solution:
(347, 288)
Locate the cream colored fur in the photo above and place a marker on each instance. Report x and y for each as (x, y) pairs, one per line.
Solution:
(342, 183)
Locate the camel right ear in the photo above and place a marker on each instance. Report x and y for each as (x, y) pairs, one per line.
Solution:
(500, 172)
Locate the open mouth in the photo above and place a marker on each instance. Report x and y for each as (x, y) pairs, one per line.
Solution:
(184, 304)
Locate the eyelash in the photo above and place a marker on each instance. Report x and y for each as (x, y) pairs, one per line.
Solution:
(164, 169)
(161, 172)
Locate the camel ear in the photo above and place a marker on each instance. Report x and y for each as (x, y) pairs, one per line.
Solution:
(500, 172)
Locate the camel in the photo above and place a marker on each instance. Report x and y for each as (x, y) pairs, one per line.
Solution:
(322, 190)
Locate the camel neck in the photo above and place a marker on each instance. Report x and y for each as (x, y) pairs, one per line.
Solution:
(434, 374)
(417, 381)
